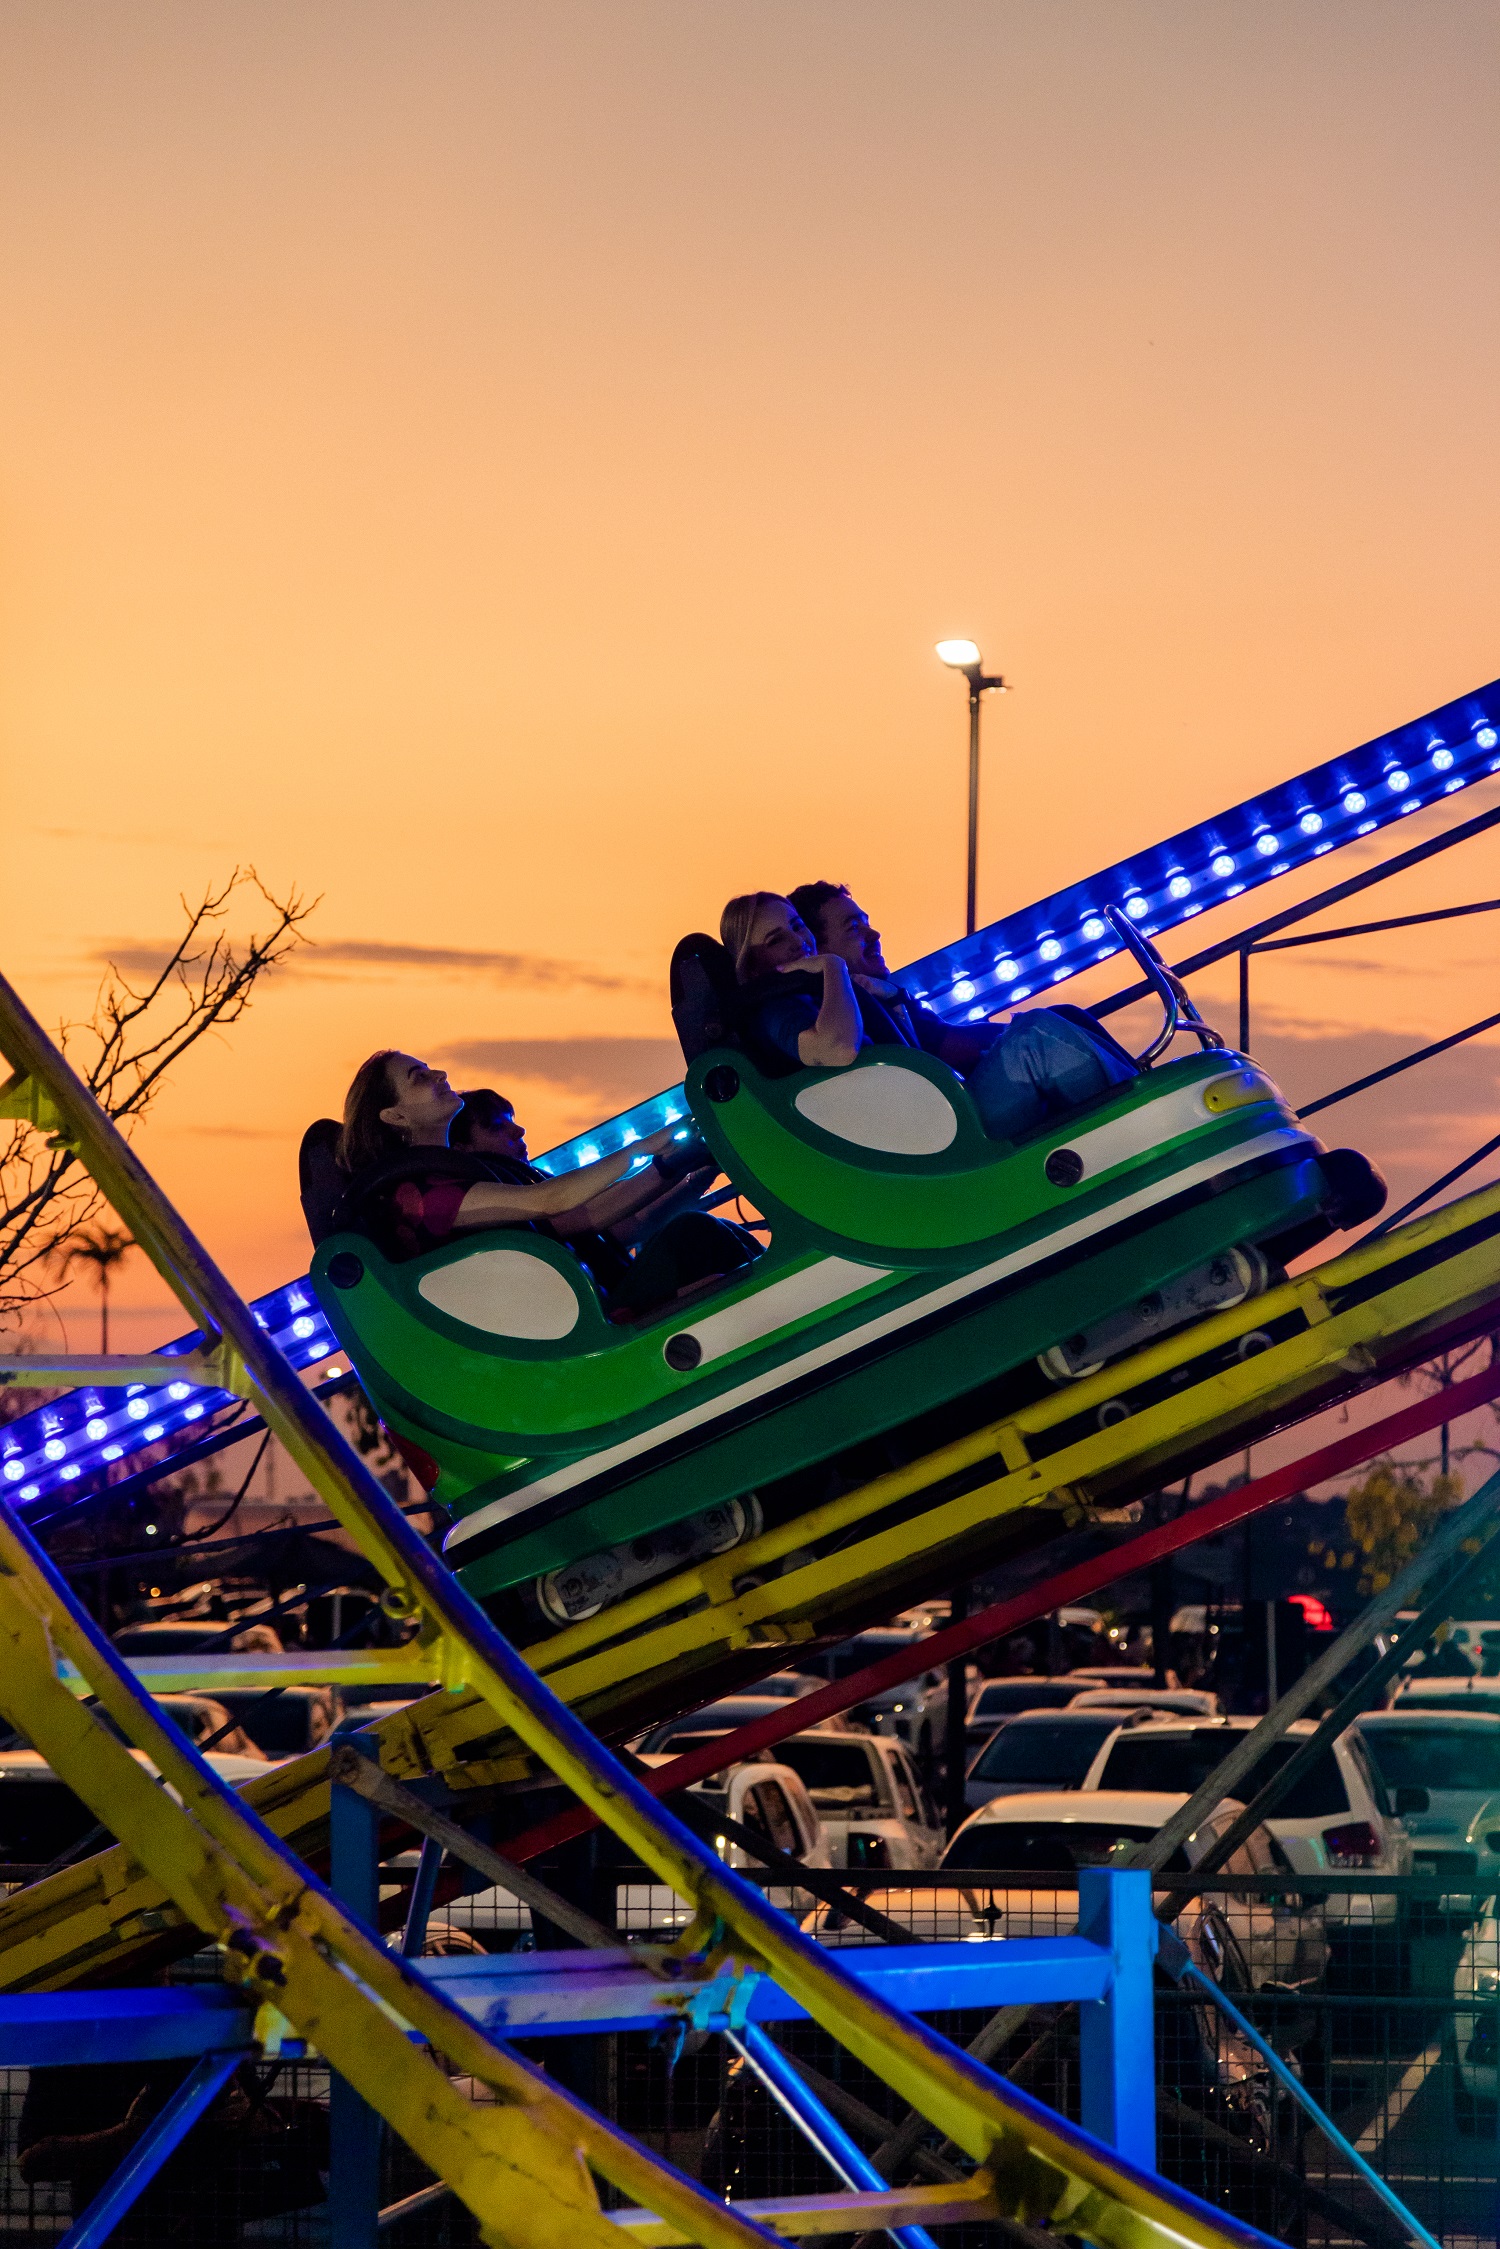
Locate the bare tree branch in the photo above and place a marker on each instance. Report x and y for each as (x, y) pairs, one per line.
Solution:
(124, 1052)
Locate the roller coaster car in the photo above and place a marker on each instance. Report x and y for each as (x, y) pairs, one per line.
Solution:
(912, 1260)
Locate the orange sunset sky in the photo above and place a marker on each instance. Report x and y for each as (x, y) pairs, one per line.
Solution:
(503, 469)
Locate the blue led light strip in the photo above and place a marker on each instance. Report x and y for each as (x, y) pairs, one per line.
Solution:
(1027, 952)
(78, 1439)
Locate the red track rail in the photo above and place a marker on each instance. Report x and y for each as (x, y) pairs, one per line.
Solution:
(1067, 1587)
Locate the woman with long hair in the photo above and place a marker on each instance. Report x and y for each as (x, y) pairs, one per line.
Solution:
(399, 1108)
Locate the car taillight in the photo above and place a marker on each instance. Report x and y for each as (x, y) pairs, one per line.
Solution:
(1354, 1845)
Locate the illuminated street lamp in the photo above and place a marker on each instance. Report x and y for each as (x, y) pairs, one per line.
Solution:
(963, 656)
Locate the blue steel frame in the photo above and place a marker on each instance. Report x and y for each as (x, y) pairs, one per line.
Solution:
(1107, 1968)
(49, 2030)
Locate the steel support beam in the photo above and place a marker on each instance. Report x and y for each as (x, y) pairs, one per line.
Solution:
(162, 2136)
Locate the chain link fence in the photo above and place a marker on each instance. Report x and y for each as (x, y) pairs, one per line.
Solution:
(1381, 1993)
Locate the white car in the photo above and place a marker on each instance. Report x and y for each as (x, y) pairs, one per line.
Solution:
(915, 1712)
(1042, 1749)
(1174, 1702)
(41, 1818)
(995, 1700)
(1440, 1768)
(1474, 1693)
(769, 1799)
(1337, 1818)
(1476, 1993)
(675, 1735)
(869, 1796)
(1021, 1840)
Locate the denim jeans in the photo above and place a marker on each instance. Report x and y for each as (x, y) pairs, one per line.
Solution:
(1041, 1065)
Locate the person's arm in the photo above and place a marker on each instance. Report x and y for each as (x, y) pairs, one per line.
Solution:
(490, 1201)
(629, 1198)
(67, 2155)
(838, 1034)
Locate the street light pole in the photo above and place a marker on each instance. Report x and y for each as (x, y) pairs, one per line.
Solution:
(963, 656)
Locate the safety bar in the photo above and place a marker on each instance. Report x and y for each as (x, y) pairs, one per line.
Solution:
(1178, 1010)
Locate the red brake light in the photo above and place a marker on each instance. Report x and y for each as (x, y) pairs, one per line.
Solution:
(1354, 1845)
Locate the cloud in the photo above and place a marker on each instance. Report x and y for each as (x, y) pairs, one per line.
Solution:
(1310, 1061)
(229, 1132)
(614, 1072)
(351, 958)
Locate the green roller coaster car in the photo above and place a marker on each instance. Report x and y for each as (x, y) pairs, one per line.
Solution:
(912, 1261)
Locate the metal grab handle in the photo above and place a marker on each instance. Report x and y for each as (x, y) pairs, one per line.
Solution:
(1178, 1011)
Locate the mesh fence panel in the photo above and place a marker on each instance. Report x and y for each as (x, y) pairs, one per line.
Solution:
(1383, 1997)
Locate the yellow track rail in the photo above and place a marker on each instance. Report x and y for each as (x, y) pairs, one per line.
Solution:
(291, 1945)
(656, 1650)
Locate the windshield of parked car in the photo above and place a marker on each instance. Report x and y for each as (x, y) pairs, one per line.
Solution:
(1044, 1752)
(836, 1774)
(1437, 1756)
(1048, 1846)
(853, 1655)
(1002, 1698)
(1178, 1764)
(39, 1819)
(1462, 1698)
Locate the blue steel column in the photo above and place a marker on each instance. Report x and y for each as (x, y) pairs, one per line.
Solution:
(423, 1891)
(166, 2132)
(812, 2119)
(354, 2127)
(1117, 2043)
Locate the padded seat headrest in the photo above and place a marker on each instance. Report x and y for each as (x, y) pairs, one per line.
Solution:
(705, 996)
(321, 1178)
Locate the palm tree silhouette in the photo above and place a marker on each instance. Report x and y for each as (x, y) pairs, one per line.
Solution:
(104, 1248)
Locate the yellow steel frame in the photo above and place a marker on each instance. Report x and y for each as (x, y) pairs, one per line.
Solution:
(295, 1946)
(604, 1667)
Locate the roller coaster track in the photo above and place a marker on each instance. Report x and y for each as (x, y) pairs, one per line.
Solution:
(1326, 1337)
(528, 2160)
(239, 1869)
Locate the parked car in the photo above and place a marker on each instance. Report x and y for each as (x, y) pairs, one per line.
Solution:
(1041, 1749)
(1443, 1692)
(1338, 1817)
(1250, 1945)
(1474, 2050)
(289, 1723)
(995, 1700)
(41, 1818)
(1440, 1768)
(1475, 1642)
(869, 1795)
(202, 1718)
(673, 1735)
(915, 1712)
(1177, 1702)
(769, 1799)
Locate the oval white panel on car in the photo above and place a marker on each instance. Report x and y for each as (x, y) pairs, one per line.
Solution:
(504, 1292)
(898, 1112)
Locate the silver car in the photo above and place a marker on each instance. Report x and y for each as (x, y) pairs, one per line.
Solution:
(1440, 1768)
